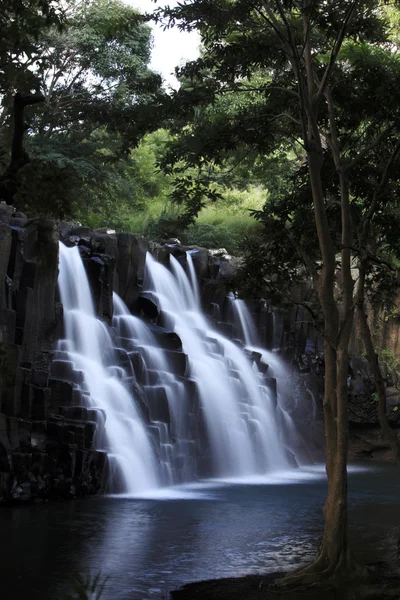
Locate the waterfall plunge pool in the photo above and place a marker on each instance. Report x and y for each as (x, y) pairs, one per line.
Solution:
(150, 546)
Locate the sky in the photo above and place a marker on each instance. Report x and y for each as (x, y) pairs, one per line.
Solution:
(172, 47)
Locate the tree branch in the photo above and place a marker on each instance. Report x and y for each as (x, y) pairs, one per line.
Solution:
(352, 163)
(335, 50)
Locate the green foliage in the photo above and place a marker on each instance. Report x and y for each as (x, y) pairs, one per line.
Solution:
(226, 223)
(100, 99)
(237, 115)
(47, 188)
(21, 24)
(95, 72)
(390, 361)
(129, 193)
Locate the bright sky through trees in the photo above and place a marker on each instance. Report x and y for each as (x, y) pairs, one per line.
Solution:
(171, 47)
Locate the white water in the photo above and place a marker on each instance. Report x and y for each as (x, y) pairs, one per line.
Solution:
(249, 334)
(90, 349)
(158, 366)
(164, 410)
(237, 408)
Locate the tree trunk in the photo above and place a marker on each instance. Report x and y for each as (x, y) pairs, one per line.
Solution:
(19, 157)
(335, 561)
(373, 362)
(335, 551)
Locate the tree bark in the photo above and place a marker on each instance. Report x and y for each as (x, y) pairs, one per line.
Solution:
(19, 156)
(335, 561)
(373, 362)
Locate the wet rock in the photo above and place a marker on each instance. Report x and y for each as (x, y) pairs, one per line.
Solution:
(6, 212)
(61, 393)
(148, 305)
(103, 230)
(168, 340)
(81, 231)
(177, 361)
(368, 443)
(104, 243)
(160, 252)
(158, 404)
(21, 492)
(63, 370)
(129, 268)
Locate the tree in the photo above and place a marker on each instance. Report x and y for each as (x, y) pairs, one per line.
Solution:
(97, 99)
(324, 77)
(96, 73)
(21, 23)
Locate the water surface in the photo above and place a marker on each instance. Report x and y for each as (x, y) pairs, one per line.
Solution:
(149, 546)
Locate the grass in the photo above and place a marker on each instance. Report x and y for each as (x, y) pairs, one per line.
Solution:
(223, 224)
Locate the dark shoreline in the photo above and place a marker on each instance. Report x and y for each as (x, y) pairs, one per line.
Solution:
(382, 583)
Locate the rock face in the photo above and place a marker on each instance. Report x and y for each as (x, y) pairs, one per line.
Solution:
(46, 448)
(292, 333)
(47, 434)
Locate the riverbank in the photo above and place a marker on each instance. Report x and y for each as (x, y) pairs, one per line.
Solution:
(382, 584)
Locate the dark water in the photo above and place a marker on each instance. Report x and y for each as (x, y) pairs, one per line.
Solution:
(148, 547)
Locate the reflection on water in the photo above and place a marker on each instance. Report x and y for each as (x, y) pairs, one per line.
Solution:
(149, 546)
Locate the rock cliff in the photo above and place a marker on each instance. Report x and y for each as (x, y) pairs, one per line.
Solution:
(47, 436)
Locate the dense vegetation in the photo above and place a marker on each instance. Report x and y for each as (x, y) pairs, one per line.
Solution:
(290, 115)
(86, 72)
(96, 124)
(106, 145)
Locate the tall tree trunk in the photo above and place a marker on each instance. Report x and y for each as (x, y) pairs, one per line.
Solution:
(335, 560)
(335, 556)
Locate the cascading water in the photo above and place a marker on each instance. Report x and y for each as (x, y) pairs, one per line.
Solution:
(180, 401)
(89, 347)
(244, 325)
(251, 339)
(236, 404)
(159, 382)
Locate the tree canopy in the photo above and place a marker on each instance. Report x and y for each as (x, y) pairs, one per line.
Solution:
(314, 81)
(95, 99)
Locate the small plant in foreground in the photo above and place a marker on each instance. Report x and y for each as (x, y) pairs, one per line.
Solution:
(86, 587)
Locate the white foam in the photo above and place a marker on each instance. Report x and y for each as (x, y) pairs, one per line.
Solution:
(170, 493)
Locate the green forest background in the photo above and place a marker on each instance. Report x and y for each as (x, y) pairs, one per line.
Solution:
(213, 163)
(98, 139)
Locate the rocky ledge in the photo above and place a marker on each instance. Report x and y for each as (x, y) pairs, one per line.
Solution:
(47, 435)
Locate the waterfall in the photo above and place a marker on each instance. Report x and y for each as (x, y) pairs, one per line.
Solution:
(244, 324)
(236, 404)
(89, 348)
(176, 400)
(160, 383)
